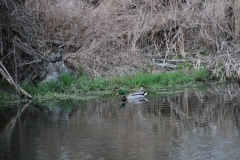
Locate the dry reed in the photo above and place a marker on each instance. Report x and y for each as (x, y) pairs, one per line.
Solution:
(120, 37)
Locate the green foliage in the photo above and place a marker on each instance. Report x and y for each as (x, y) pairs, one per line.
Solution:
(7, 91)
(80, 70)
(4, 95)
(68, 85)
(66, 79)
(162, 79)
(203, 53)
(64, 84)
(200, 75)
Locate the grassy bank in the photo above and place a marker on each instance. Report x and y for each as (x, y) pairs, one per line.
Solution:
(84, 86)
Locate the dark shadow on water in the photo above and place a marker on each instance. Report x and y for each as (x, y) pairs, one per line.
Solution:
(186, 124)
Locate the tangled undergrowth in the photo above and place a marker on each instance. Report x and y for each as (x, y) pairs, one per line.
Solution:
(113, 37)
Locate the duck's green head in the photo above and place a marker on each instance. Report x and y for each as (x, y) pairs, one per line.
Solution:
(120, 92)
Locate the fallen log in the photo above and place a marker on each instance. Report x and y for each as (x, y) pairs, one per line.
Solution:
(165, 65)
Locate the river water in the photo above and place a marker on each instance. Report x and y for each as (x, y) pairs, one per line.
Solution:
(187, 123)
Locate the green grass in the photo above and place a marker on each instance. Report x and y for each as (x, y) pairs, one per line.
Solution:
(87, 87)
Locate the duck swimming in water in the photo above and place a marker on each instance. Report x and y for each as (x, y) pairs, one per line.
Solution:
(136, 96)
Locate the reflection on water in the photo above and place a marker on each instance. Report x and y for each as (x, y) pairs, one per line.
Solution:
(192, 124)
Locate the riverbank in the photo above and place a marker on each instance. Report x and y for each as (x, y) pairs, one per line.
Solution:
(113, 38)
(86, 87)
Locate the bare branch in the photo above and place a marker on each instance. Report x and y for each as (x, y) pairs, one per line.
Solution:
(7, 76)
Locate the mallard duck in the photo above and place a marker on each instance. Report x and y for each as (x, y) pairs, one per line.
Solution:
(138, 100)
(137, 95)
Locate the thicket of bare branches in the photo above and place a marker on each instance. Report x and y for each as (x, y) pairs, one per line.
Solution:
(117, 37)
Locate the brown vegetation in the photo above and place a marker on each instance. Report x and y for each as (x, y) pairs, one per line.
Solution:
(116, 37)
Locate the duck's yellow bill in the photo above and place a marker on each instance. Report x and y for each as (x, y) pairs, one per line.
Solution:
(117, 93)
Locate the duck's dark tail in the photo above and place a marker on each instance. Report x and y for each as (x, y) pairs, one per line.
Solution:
(144, 93)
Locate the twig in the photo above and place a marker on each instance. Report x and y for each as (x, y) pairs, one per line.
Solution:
(26, 48)
(7, 75)
(165, 65)
(27, 63)
(215, 33)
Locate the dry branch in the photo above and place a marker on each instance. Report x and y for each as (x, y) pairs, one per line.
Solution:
(165, 65)
(26, 48)
(6, 75)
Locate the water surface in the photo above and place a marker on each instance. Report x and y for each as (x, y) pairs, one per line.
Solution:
(200, 123)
